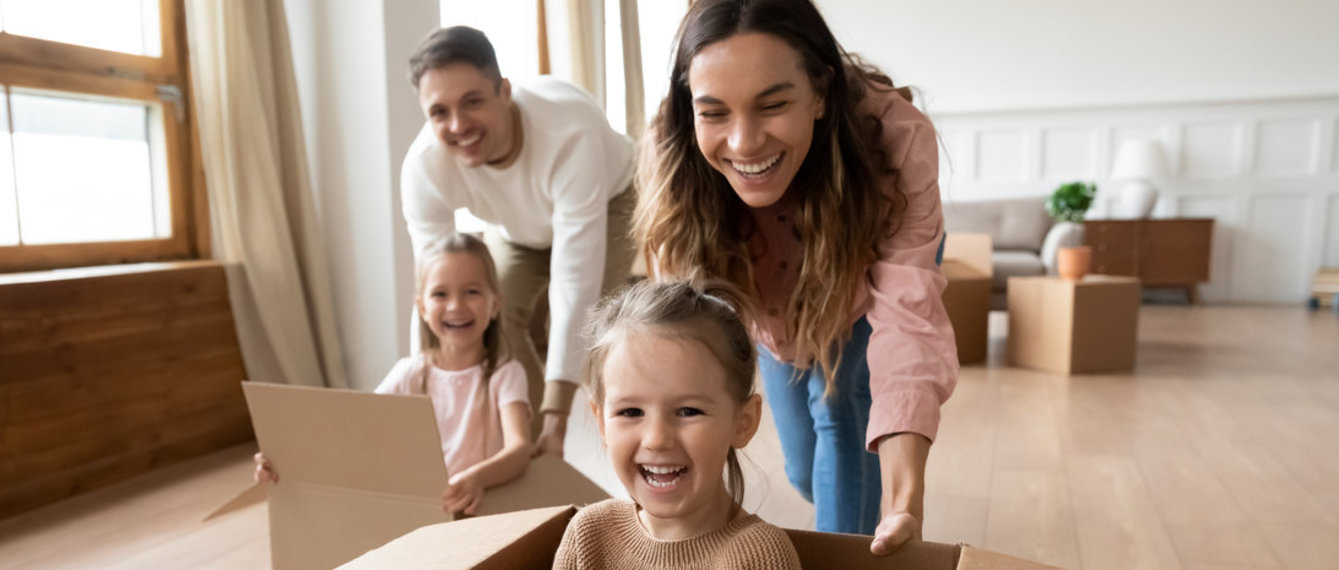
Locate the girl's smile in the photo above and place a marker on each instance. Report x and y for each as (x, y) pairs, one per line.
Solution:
(458, 305)
(662, 478)
(669, 423)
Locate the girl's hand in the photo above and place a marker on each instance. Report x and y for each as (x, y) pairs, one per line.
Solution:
(265, 472)
(463, 493)
(893, 531)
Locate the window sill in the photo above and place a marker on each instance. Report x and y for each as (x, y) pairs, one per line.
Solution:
(72, 273)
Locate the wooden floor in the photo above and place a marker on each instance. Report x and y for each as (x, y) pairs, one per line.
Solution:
(1221, 451)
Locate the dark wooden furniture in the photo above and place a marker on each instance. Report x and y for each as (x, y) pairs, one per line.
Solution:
(106, 373)
(1165, 253)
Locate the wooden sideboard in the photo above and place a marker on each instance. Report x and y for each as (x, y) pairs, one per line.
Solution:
(1163, 253)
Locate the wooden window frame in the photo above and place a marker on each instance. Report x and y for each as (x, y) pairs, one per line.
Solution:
(53, 66)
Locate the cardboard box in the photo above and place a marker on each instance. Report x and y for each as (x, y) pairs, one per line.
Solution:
(1325, 288)
(357, 470)
(972, 250)
(967, 267)
(529, 539)
(1071, 327)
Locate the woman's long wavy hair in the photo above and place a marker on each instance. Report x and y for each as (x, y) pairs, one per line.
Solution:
(690, 218)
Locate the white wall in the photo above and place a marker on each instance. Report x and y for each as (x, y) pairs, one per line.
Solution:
(1243, 94)
(970, 55)
(359, 116)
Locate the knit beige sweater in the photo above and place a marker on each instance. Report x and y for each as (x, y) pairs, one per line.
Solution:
(607, 535)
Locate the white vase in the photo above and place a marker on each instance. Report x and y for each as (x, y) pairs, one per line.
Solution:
(1137, 199)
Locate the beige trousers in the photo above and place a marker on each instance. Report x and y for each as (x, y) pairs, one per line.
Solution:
(524, 276)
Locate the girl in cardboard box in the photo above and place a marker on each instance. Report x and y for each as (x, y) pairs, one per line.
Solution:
(478, 394)
(670, 372)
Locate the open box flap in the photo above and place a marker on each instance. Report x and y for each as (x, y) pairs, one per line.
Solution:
(548, 482)
(357, 470)
(251, 496)
(524, 539)
(376, 443)
(529, 539)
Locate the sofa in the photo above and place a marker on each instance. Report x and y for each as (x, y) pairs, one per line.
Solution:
(1024, 237)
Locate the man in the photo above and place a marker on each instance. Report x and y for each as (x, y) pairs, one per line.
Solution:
(539, 163)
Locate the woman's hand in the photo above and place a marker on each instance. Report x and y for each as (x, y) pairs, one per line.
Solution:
(902, 458)
(893, 531)
(265, 472)
(463, 493)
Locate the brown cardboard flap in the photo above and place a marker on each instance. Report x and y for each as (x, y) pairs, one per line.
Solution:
(977, 559)
(958, 270)
(529, 539)
(537, 505)
(524, 539)
(355, 470)
(967, 301)
(375, 443)
(548, 482)
(851, 551)
(252, 495)
(312, 526)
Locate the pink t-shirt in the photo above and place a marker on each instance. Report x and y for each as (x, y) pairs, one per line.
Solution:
(470, 428)
(913, 361)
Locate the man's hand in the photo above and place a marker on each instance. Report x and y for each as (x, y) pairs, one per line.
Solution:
(893, 531)
(463, 493)
(551, 435)
(264, 470)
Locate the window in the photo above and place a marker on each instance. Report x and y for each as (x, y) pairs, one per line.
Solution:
(658, 21)
(512, 26)
(95, 144)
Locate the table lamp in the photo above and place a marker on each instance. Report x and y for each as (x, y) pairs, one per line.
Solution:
(1139, 162)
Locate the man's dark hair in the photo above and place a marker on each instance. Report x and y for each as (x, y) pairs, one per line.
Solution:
(450, 45)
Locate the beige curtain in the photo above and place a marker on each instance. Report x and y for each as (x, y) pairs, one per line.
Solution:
(634, 86)
(260, 196)
(572, 47)
(575, 32)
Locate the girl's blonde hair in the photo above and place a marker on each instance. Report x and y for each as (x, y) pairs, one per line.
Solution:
(495, 343)
(709, 315)
(689, 217)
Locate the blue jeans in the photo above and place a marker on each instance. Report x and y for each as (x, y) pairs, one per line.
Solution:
(823, 439)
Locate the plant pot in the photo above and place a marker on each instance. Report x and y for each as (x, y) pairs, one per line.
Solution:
(1073, 262)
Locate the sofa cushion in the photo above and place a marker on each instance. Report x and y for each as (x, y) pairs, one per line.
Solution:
(1014, 263)
(1015, 223)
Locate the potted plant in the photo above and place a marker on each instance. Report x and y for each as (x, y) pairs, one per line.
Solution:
(1067, 205)
(1071, 201)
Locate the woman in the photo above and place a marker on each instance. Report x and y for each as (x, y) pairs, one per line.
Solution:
(784, 165)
